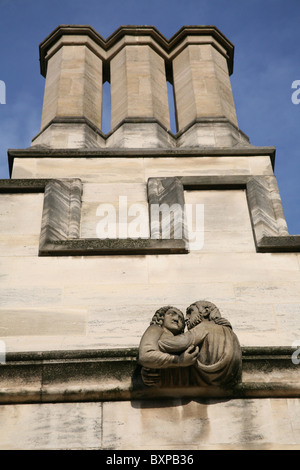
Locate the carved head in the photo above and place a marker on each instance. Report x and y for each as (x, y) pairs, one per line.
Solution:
(169, 318)
(200, 311)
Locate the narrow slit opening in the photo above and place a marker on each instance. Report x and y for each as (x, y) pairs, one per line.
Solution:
(172, 108)
(106, 108)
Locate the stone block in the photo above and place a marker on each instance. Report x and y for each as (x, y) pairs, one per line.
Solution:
(234, 267)
(59, 271)
(134, 215)
(110, 192)
(20, 297)
(69, 133)
(268, 291)
(188, 425)
(287, 319)
(20, 214)
(188, 166)
(51, 426)
(94, 170)
(42, 322)
(19, 245)
(139, 133)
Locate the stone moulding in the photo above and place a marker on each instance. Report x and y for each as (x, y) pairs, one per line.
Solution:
(168, 138)
(101, 375)
(60, 229)
(106, 49)
(266, 213)
(41, 152)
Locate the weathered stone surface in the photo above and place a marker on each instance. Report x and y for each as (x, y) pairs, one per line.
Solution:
(135, 61)
(47, 427)
(211, 132)
(71, 322)
(226, 226)
(23, 297)
(104, 375)
(140, 133)
(20, 214)
(73, 89)
(254, 424)
(166, 206)
(30, 321)
(136, 425)
(202, 89)
(61, 211)
(68, 132)
(262, 424)
(138, 85)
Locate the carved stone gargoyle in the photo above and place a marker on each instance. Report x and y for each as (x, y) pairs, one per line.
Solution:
(207, 354)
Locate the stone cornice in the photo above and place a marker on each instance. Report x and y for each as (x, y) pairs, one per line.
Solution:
(101, 375)
(107, 48)
(42, 152)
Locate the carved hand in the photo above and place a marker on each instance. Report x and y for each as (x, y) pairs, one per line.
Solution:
(189, 356)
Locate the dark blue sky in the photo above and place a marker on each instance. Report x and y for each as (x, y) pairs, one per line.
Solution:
(266, 35)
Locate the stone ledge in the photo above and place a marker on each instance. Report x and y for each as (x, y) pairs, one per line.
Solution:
(42, 152)
(105, 375)
(288, 243)
(96, 246)
(30, 185)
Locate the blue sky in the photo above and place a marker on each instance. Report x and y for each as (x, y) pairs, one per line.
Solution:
(266, 35)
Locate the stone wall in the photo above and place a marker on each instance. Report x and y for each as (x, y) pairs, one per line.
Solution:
(64, 300)
(247, 424)
(109, 300)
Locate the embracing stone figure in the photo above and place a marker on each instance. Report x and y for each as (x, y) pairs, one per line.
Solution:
(207, 354)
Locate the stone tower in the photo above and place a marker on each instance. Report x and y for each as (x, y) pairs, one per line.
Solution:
(85, 262)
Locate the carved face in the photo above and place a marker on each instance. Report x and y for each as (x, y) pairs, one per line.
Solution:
(192, 316)
(174, 321)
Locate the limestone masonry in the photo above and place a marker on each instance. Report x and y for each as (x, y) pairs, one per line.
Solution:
(74, 306)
